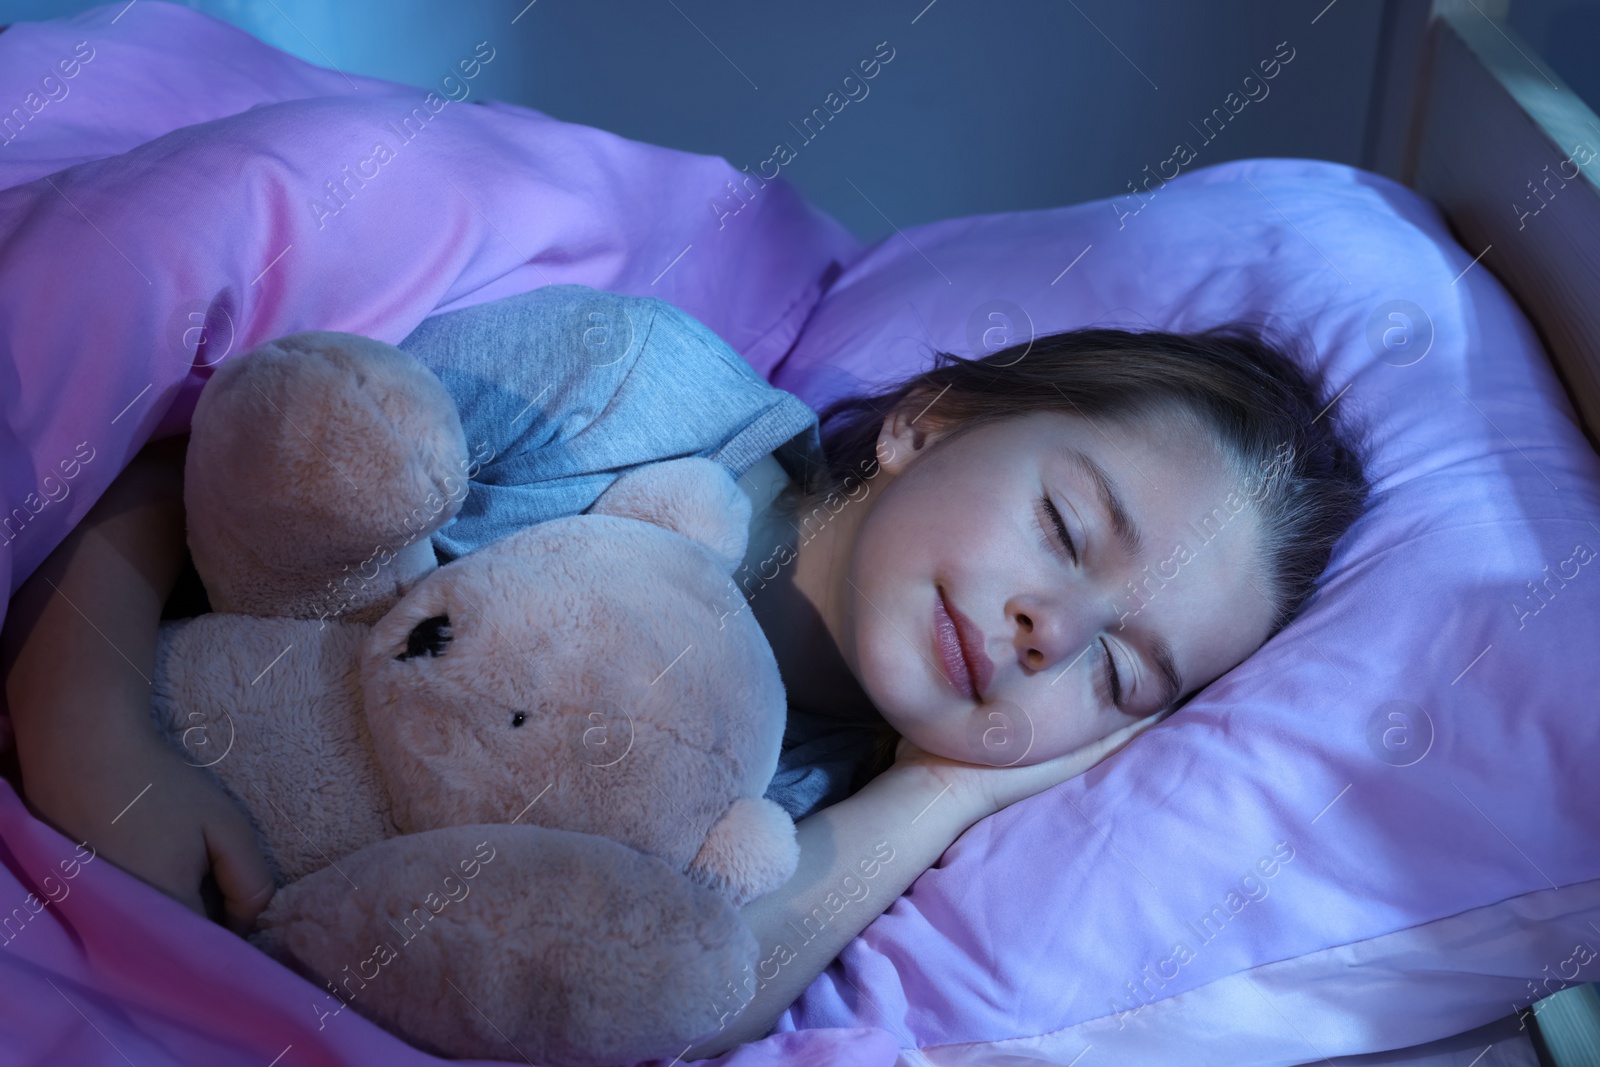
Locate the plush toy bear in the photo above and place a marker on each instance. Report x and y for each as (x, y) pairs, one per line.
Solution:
(512, 804)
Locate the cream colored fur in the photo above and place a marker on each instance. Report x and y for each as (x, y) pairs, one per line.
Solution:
(516, 798)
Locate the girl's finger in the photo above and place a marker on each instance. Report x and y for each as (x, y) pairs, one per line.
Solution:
(241, 872)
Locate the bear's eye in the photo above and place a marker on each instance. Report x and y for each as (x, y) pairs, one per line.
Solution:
(518, 719)
(430, 636)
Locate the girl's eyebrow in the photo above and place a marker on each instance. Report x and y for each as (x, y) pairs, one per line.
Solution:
(1132, 539)
(1122, 524)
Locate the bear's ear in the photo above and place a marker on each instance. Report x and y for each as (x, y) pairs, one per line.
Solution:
(419, 623)
(695, 497)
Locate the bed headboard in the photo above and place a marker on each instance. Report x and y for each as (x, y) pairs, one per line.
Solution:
(1512, 157)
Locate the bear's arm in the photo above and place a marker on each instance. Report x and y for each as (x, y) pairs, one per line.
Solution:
(856, 858)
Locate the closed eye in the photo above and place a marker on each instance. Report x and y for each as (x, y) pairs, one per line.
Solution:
(1111, 686)
(1054, 517)
(1112, 680)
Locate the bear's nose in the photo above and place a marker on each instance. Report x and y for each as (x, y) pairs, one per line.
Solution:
(430, 636)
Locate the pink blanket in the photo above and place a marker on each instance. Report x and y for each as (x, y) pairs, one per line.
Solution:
(173, 191)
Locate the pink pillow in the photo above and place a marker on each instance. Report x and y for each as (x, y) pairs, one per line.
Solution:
(1294, 865)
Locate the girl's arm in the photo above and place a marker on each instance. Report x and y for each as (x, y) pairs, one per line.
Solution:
(859, 855)
(111, 575)
(856, 857)
(77, 653)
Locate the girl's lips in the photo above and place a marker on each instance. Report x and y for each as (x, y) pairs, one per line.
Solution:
(947, 645)
(980, 668)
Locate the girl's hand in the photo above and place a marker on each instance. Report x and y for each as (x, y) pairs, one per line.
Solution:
(178, 829)
(987, 789)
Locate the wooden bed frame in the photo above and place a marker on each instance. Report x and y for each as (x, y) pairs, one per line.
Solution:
(1512, 157)
(1465, 112)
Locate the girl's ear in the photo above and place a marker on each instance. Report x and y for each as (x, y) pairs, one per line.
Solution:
(907, 430)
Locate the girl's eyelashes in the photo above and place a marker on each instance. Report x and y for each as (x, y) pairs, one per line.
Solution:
(1111, 685)
(1054, 517)
(1113, 681)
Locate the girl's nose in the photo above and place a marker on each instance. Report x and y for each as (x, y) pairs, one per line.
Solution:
(1050, 634)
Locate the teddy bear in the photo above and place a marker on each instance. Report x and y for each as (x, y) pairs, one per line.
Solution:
(512, 804)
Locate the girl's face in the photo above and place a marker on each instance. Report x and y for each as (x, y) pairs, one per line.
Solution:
(958, 529)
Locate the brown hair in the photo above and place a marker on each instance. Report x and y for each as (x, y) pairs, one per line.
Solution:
(1262, 408)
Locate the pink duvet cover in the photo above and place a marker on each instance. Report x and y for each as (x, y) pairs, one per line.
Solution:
(159, 212)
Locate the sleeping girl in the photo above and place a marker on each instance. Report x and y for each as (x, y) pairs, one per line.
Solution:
(977, 583)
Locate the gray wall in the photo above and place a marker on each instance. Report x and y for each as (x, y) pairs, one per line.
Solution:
(983, 107)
